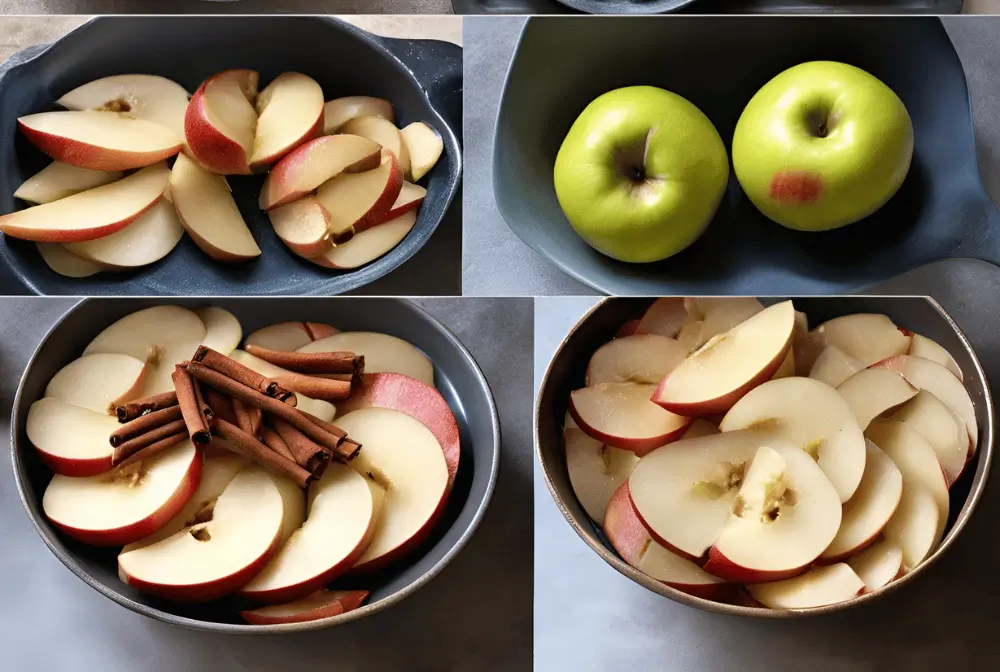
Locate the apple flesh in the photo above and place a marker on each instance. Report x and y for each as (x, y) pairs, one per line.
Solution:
(59, 180)
(834, 366)
(99, 382)
(290, 113)
(220, 122)
(921, 346)
(424, 145)
(368, 245)
(145, 241)
(339, 111)
(223, 332)
(290, 336)
(707, 316)
(319, 605)
(65, 263)
(356, 200)
(383, 353)
(868, 337)
(642, 358)
(943, 430)
(304, 226)
(818, 587)
(621, 415)
(70, 439)
(872, 392)
(664, 317)
(385, 133)
(148, 97)
(878, 565)
(596, 471)
(410, 197)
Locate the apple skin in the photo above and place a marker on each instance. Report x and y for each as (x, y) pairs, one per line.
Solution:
(724, 568)
(77, 468)
(638, 446)
(210, 146)
(349, 601)
(595, 170)
(811, 183)
(700, 561)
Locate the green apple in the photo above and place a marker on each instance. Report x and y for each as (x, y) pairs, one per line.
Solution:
(822, 145)
(641, 173)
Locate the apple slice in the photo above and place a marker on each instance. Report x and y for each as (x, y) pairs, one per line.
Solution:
(868, 337)
(596, 471)
(834, 366)
(708, 316)
(921, 346)
(811, 416)
(329, 542)
(699, 428)
(100, 140)
(642, 358)
(304, 226)
(715, 376)
(290, 336)
(683, 493)
(355, 200)
(126, 504)
(385, 133)
(65, 263)
(403, 457)
(323, 410)
(943, 430)
(787, 368)
(807, 345)
(99, 382)
(872, 392)
(70, 439)
(786, 514)
(315, 162)
(870, 508)
(664, 317)
(410, 197)
(59, 180)
(878, 565)
(339, 111)
(209, 213)
(632, 542)
(942, 383)
(290, 113)
(621, 415)
(145, 241)
(368, 245)
(383, 353)
(913, 527)
(220, 122)
(223, 332)
(816, 588)
(146, 97)
(90, 214)
(424, 145)
(319, 605)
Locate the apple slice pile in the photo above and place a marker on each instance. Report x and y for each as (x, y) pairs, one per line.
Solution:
(341, 190)
(734, 454)
(241, 510)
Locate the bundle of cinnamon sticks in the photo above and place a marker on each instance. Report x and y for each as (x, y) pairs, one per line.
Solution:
(247, 413)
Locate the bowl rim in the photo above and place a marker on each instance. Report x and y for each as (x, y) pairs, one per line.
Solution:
(245, 628)
(985, 452)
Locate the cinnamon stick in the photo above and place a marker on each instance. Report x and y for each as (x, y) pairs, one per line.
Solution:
(187, 399)
(221, 405)
(229, 367)
(132, 446)
(242, 413)
(133, 409)
(274, 441)
(144, 424)
(154, 449)
(307, 453)
(310, 362)
(203, 407)
(317, 388)
(349, 449)
(249, 447)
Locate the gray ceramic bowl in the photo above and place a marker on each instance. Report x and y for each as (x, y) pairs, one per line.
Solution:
(566, 373)
(457, 377)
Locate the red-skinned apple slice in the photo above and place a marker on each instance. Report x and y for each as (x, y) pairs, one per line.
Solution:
(209, 213)
(319, 605)
(424, 146)
(223, 332)
(784, 516)
(213, 558)
(878, 565)
(304, 226)
(70, 439)
(290, 336)
(65, 263)
(410, 197)
(811, 416)
(630, 539)
(642, 358)
(368, 245)
(709, 316)
(718, 374)
(834, 366)
(943, 430)
(682, 493)
(147, 97)
(868, 337)
(914, 525)
(621, 415)
(870, 508)
(339, 111)
(90, 214)
(385, 133)
(99, 382)
(100, 140)
(145, 241)
(595, 470)
(290, 113)
(332, 538)
(220, 122)
(921, 346)
(59, 180)
(383, 353)
(126, 504)
(818, 587)
(872, 392)
(323, 410)
(315, 162)
(355, 200)
(403, 457)
(664, 317)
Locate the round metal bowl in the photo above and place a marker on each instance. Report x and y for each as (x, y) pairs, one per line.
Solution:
(457, 377)
(566, 373)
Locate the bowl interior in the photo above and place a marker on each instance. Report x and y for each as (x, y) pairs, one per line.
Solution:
(719, 63)
(457, 377)
(626, 6)
(568, 367)
(344, 60)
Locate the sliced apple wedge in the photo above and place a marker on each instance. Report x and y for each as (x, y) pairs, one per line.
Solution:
(870, 508)
(369, 245)
(148, 97)
(913, 527)
(818, 587)
(699, 428)
(90, 214)
(807, 345)
(65, 263)
(642, 358)
(99, 382)
(59, 180)
(683, 493)
(709, 316)
(786, 514)
(209, 213)
(323, 410)
(808, 415)
(868, 337)
(943, 430)
(596, 471)
(329, 542)
(834, 366)
(424, 145)
(126, 504)
(220, 122)
(304, 226)
(872, 392)
(878, 565)
(410, 197)
(148, 239)
(290, 113)
(223, 332)
(629, 328)
(621, 415)
(664, 317)
(921, 346)
(632, 542)
(385, 133)
(787, 368)
(339, 111)
(718, 374)
(217, 556)
(70, 439)
(383, 353)
(290, 336)
(321, 604)
(355, 200)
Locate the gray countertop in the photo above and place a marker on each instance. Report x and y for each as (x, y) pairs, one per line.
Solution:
(475, 616)
(490, 44)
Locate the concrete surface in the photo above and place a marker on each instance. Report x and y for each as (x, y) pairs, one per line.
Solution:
(225, 6)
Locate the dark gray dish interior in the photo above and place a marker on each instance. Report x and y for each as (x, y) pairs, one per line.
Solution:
(457, 377)
(422, 78)
(941, 211)
(568, 367)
